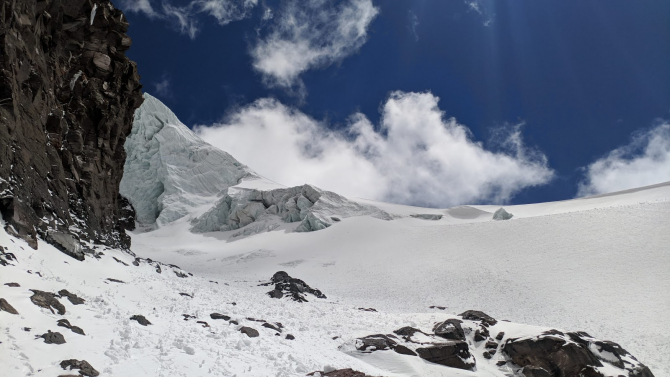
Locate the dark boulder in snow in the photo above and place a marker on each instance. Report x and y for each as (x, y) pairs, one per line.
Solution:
(53, 338)
(85, 369)
(476, 315)
(219, 316)
(13, 285)
(501, 214)
(75, 329)
(290, 337)
(47, 300)
(570, 354)
(5, 307)
(6, 258)
(427, 216)
(140, 319)
(450, 329)
(251, 333)
(74, 299)
(455, 354)
(291, 287)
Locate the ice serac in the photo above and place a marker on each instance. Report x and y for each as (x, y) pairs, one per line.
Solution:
(315, 209)
(67, 96)
(170, 171)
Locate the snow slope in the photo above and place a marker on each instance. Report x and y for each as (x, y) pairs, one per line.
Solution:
(594, 264)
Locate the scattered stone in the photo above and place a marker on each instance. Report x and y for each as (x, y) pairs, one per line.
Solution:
(188, 316)
(219, 316)
(13, 285)
(501, 363)
(85, 369)
(501, 214)
(75, 329)
(116, 281)
(438, 307)
(186, 294)
(481, 333)
(294, 288)
(180, 274)
(203, 323)
(4, 306)
(234, 322)
(491, 344)
(271, 326)
(47, 300)
(120, 261)
(140, 319)
(6, 258)
(368, 309)
(26, 329)
(74, 299)
(290, 337)
(476, 315)
(500, 335)
(450, 329)
(53, 338)
(487, 355)
(251, 333)
(427, 216)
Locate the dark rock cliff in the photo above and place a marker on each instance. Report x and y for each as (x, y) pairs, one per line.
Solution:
(67, 98)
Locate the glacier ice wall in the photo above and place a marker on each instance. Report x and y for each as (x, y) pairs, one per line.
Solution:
(315, 209)
(169, 170)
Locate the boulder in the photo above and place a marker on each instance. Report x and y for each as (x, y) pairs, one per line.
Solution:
(47, 300)
(141, 320)
(296, 289)
(450, 329)
(251, 333)
(219, 316)
(476, 315)
(85, 369)
(74, 299)
(501, 214)
(5, 307)
(53, 338)
(455, 354)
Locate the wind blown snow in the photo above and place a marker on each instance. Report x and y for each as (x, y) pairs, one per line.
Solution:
(645, 161)
(416, 156)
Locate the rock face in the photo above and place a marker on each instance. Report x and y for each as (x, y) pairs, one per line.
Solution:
(67, 97)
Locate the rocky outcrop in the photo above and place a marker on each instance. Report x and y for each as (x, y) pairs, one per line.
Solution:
(142, 320)
(67, 98)
(294, 288)
(85, 369)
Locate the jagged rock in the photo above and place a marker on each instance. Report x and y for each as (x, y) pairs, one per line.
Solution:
(450, 329)
(219, 316)
(476, 315)
(74, 299)
(455, 354)
(47, 300)
(377, 342)
(500, 335)
(6, 258)
(64, 120)
(53, 338)
(13, 285)
(482, 333)
(85, 369)
(140, 319)
(294, 288)
(290, 337)
(501, 214)
(5, 307)
(75, 329)
(251, 333)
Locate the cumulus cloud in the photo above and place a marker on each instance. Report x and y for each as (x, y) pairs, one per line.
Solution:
(185, 18)
(645, 161)
(415, 155)
(311, 34)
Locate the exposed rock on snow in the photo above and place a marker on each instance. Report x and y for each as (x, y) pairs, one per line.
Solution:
(75, 329)
(450, 329)
(85, 369)
(47, 300)
(170, 171)
(140, 319)
(74, 299)
(5, 307)
(501, 214)
(315, 209)
(476, 315)
(251, 333)
(339, 373)
(66, 243)
(294, 288)
(219, 316)
(554, 353)
(6, 258)
(53, 338)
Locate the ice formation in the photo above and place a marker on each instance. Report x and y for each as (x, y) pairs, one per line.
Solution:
(169, 170)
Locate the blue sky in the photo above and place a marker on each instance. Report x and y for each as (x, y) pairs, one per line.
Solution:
(551, 99)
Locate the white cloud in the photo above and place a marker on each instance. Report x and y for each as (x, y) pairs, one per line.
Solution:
(645, 161)
(416, 156)
(164, 87)
(481, 9)
(311, 34)
(413, 24)
(185, 18)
